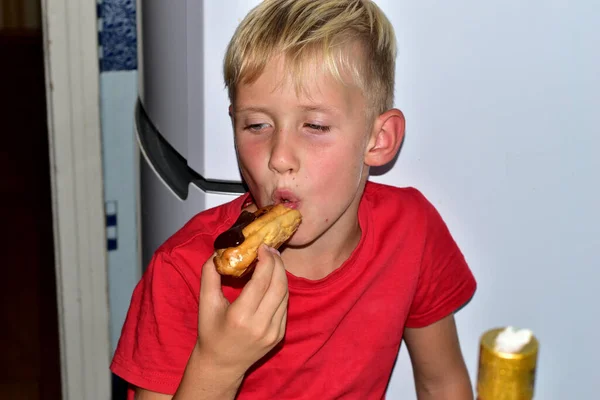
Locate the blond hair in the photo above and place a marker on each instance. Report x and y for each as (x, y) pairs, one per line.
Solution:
(321, 31)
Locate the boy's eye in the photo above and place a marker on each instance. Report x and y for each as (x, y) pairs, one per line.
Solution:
(256, 127)
(315, 127)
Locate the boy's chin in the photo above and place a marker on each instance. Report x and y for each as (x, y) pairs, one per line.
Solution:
(294, 243)
(299, 240)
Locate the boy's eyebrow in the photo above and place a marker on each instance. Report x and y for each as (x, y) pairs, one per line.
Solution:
(321, 108)
(249, 109)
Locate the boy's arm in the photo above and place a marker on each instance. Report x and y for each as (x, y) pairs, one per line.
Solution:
(142, 394)
(438, 365)
(201, 380)
(221, 384)
(232, 337)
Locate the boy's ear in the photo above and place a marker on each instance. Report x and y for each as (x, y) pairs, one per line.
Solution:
(386, 138)
(230, 112)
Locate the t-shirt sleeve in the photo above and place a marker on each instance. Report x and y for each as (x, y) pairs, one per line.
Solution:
(160, 329)
(445, 281)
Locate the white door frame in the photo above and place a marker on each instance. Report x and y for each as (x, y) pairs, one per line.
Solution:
(72, 90)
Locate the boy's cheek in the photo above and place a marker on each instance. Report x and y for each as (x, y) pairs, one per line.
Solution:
(251, 154)
(334, 166)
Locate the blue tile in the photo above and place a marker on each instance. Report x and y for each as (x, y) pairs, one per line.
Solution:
(118, 36)
(111, 244)
(111, 220)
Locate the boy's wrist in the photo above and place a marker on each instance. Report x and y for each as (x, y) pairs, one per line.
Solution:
(203, 360)
(204, 377)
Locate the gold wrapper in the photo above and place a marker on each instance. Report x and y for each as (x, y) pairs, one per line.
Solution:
(506, 376)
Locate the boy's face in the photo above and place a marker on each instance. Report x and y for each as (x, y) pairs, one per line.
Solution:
(306, 148)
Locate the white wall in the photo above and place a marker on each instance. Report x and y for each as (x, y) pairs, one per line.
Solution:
(118, 93)
(502, 101)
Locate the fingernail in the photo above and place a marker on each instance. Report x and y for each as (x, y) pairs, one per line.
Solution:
(274, 251)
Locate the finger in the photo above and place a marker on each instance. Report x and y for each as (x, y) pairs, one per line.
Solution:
(279, 321)
(281, 312)
(277, 292)
(210, 284)
(283, 322)
(254, 291)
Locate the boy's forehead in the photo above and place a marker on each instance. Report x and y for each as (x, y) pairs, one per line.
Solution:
(308, 80)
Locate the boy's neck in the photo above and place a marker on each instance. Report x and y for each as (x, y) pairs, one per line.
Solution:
(323, 256)
(332, 249)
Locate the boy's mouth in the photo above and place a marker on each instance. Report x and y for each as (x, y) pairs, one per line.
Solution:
(283, 196)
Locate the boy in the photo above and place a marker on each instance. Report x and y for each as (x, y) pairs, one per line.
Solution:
(311, 89)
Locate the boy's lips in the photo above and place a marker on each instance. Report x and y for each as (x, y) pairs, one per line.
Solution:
(287, 197)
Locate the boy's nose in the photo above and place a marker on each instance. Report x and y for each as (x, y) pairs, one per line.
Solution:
(283, 155)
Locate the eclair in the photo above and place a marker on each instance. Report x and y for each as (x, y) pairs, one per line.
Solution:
(237, 247)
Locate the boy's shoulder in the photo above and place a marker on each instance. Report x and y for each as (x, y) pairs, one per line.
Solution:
(394, 211)
(394, 201)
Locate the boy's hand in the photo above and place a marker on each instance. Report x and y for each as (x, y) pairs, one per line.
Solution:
(233, 336)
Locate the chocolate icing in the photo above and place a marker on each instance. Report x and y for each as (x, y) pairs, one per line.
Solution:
(233, 236)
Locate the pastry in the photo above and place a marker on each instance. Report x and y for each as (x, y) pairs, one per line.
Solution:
(237, 248)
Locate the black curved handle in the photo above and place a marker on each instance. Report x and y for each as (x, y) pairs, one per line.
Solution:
(170, 165)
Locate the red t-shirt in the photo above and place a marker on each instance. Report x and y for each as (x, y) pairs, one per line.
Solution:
(343, 331)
